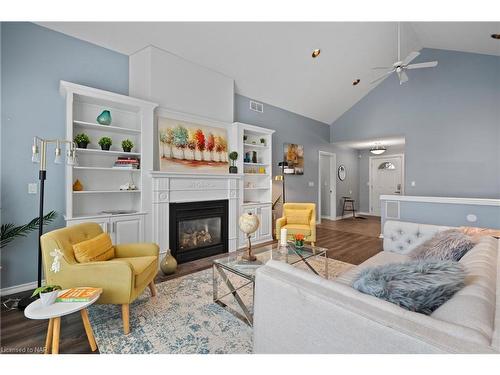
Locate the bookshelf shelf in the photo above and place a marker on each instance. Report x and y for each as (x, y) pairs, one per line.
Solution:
(107, 153)
(106, 128)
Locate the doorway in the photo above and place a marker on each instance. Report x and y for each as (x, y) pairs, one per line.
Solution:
(386, 177)
(327, 202)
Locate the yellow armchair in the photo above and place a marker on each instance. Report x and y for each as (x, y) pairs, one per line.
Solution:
(298, 218)
(122, 278)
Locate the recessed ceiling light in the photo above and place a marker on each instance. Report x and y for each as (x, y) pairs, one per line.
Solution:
(316, 53)
(495, 36)
(356, 81)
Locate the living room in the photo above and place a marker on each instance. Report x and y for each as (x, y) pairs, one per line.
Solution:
(250, 187)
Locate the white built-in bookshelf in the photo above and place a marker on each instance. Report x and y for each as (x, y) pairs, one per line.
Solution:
(255, 161)
(96, 169)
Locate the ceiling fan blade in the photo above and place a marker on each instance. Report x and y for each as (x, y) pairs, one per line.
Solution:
(403, 77)
(429, 64)
(410, 58)
(382, 67)
(383, 76)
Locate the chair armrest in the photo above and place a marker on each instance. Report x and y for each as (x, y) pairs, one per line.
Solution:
(129, 250)
(115, 277)
(312, 225)
(281, 222)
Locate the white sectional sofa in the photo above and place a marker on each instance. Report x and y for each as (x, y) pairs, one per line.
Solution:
(299, 312)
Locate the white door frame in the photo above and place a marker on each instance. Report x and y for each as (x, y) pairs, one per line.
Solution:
(333, 184)
(402, 156)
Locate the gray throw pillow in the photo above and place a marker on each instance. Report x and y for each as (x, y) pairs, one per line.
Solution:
(420, 285)
(449, 244)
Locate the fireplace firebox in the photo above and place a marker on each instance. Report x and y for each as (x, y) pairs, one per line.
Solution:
(198, 229)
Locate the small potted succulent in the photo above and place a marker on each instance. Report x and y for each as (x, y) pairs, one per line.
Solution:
(127, 145)
(245, 137)
(263, 141)
(82, 140)
(233, 156)
(299, 240)
(47, 293)
(105, 143)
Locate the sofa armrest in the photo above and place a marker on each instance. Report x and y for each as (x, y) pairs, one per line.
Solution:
(115, 277)
(129, 250)
(280, 223)
(315, 315)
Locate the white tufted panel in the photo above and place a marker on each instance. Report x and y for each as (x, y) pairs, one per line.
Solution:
(402, 237)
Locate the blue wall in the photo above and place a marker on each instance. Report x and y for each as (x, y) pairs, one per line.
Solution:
(33, 61)
(314, 135)
(450, 118)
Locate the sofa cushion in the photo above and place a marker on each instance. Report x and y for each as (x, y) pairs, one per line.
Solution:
(298, 228)
(450, 244)
(298, 216)
(418, 285)
(143, 267)
(474, 305)
(384, 257)
(99, 248)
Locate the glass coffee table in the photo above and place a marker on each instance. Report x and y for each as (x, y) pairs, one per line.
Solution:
(234, 265)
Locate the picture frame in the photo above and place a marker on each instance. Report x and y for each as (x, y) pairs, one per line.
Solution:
(293, 154)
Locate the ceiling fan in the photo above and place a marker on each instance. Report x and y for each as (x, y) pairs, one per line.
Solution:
(401, 66)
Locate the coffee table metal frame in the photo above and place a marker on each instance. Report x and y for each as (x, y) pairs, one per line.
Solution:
(222, 269)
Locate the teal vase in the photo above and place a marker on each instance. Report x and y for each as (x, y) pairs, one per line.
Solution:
(104, 118)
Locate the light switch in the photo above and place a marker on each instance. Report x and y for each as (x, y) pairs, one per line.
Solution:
(32, 188)
(311, 183)
(350, 192)
(413, 184)
(471, 218)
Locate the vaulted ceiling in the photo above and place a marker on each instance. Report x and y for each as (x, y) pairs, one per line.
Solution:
(272, 62)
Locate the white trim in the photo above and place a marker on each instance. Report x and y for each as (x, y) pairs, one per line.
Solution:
(370, 183)
(333, 177)
(19, 288)
(444, 200)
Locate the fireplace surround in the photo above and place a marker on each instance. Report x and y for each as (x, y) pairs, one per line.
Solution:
(198, 229)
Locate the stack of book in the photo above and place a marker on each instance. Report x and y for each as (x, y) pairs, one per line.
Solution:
(124, 162)
(82, 294)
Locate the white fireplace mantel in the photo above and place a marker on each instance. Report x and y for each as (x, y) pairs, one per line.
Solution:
(171, 187)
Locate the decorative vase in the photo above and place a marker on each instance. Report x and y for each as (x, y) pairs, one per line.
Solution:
(77, 186)
(82, 144)
(105, 147)
(299, 243)
(233, 169)
(254, 157)
(48, 298)
(168, 265)
(104, 118)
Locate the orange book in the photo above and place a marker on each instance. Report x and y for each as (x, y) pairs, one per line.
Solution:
(82, 294)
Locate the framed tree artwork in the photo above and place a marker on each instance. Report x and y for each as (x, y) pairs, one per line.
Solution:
(293, 154)
(191, 145)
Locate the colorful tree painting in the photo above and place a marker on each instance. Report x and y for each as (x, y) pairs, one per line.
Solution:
(180, 138)
(219, 146)
(163, 141)
(211, 144)
(192, 141)
(200, 141)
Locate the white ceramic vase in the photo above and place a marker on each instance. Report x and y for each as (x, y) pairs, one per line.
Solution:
(48, 298)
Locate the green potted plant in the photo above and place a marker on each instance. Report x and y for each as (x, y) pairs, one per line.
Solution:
(47, 293)
(105, 143)
(82, 140)
(233, 156)
(245, 137)
(127, 145)
(263, 141)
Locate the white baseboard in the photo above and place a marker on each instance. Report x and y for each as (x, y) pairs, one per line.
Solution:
(19, 288)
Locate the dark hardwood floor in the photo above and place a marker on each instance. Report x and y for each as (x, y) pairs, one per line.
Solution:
(349, 240)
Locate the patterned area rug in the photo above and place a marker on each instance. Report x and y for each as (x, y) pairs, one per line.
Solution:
(182, 318)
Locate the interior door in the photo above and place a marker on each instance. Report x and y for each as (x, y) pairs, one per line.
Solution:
(327, 185)
(386, 178)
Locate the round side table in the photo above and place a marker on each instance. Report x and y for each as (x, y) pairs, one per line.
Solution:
(36, 310)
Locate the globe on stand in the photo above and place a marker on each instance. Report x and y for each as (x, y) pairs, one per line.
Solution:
(249, 223)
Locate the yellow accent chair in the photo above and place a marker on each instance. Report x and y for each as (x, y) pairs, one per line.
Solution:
(122, 278)
(298, 218)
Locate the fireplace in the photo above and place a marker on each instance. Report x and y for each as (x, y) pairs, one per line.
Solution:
(198, 229)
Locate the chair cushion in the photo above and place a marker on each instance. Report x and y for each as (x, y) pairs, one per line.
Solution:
(298, 228)
(142, 266)
(298, 216)
(99, 248)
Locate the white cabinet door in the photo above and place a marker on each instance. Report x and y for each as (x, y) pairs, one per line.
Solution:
(127, 229)
(265, 218)
(104, 223)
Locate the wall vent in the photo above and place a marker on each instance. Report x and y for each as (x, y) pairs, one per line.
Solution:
(256, 106)
(392, 210)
